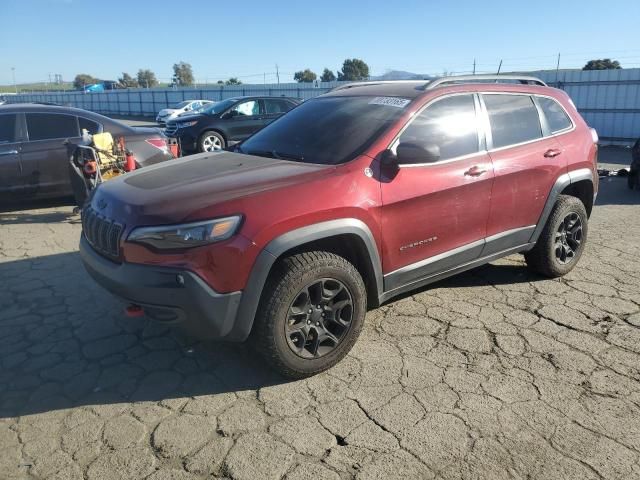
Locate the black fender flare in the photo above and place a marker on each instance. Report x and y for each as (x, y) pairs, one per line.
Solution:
(287, 241)
(561, 183)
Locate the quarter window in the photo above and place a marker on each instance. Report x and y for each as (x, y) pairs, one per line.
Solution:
(7, 128)
(449, 124)
(557, 118)
(45, 126)
(514, 119)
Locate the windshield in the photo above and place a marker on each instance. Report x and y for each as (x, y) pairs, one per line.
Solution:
(182, 104)
(218, 107)
(326, 130)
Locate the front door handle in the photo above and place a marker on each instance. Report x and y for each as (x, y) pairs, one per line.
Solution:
(551, 153)
(475, 171)
(9, 152)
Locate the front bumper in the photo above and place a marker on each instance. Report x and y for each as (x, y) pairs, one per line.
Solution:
(168, 295)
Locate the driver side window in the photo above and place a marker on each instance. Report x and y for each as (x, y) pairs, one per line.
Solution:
(248, 108)
(449, 124)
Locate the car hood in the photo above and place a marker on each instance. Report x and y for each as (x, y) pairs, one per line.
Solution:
(178, 190)
(167, 111)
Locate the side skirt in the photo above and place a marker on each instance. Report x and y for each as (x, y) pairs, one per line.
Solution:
(453, 271)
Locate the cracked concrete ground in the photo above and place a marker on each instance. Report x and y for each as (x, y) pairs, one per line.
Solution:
(494, 374)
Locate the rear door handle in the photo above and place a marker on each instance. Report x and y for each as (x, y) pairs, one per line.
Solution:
(9, 152)
(552, 153)
(475, 171)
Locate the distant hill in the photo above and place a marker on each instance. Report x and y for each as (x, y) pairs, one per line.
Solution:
(402, 75)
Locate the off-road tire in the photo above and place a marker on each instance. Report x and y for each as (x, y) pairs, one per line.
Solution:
(285, 282)
(210, 133)
(542, 258)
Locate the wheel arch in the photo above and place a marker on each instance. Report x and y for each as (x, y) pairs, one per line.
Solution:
(349, 237)
(578, 183)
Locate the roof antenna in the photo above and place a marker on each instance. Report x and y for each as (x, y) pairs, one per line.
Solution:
(499, 67)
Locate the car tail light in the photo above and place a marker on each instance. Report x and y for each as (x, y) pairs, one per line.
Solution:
(160, 143)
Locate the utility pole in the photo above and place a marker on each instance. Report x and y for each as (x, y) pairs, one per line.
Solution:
(557, 68)
(499, 67)
(13, 73)
(474, 66)
(277, 74)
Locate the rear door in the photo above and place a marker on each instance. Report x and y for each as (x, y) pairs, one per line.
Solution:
(527, 162)
(45, 154)
(246, 118)
(11, 172)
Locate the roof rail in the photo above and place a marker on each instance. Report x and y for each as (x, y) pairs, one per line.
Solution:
(375, 82)
(525, 80)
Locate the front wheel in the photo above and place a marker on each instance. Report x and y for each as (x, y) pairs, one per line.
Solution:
(562, 240)
(311, 313)
(211, 141)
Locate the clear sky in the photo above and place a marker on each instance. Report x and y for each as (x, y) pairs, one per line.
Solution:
(247, 38)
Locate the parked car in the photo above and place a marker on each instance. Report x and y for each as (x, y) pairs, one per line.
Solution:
(227, 122)
(33, 147)
(633, 180)
(187, 106)
(347, 201)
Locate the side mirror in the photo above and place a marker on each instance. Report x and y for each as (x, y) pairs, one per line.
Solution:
(417, 152)
(389, 159)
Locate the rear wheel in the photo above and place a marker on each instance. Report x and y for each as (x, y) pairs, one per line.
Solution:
(311, 313)
(211, 141)
(562, 240)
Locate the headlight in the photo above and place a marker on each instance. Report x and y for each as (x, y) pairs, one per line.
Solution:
(186, 124)
(186, 235)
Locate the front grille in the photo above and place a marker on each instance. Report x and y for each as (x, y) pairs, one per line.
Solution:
(101, 232)
(171, 129)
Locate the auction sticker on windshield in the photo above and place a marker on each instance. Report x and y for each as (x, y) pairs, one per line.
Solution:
(390, 101)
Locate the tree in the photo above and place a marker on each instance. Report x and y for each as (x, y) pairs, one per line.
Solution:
(127, 81)
(84, 79)
(233, 81)
(353, 69)
(306, 76)
(602, 64)
(327, 76)
(146, 78)
(182, 74)
(220, 82)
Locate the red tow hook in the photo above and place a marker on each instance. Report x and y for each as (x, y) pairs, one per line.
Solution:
(134, 311)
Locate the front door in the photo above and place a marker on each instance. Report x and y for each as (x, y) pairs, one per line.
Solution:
(45, 156)
(434, 215)
(245, 119)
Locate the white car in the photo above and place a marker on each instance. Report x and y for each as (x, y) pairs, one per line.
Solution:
(183, 107)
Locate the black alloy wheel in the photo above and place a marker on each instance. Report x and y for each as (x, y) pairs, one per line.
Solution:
(319, 318)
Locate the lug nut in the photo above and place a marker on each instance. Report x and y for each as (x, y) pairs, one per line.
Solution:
(308, 322)
(310, 311)
(322, 315)
(317, 324)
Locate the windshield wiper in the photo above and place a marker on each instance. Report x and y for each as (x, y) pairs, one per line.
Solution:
(275, 154)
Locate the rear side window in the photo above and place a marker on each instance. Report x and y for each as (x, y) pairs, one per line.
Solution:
(276, 106)
(45, 126)
(514, 119)
(7, 128)
(450, 124)
(89, 125)
(557, 118)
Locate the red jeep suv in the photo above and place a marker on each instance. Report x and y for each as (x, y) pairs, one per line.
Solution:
(354, 197)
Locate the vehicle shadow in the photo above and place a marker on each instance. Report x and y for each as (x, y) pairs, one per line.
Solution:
(19, 206)
(64, 343)
(614, 191)
(22, 218)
